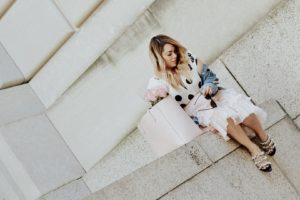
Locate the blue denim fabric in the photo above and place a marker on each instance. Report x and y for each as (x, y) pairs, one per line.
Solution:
(195, 119)
(208, 78)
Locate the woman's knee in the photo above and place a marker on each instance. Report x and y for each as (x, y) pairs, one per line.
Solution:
(250, 119)
(231, 123)
(230, 120)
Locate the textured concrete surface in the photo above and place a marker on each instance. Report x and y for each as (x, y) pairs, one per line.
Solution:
(235, 177)
(266, 61)
(287, 137)
(42, 152)
(76, 190)
(209, 27)
(274, 111)
(226, 79)
(120, 162)
(158, 177)
(17, 103)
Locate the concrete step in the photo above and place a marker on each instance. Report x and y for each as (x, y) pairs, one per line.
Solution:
(201, 157)
(201, 165)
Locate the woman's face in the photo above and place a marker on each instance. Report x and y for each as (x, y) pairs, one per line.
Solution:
(169, 54)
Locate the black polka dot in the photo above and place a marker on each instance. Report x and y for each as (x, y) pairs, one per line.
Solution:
(178, 98)
(196, 61)
(188, 81)
(183, 105)
(190, 67)
(191, 57)
(199, 84)
(190, 96)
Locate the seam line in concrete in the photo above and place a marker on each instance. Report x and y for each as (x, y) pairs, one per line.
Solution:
(226, 67)
(286, 177)
(17, 67)
(282, 171)
(298, 193)
(209, 166)
(66, 144)
(18, 120)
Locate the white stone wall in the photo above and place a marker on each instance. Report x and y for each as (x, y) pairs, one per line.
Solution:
(77, 11)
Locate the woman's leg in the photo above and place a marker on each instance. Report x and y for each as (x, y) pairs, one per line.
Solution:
(252, 122)
(237, 133)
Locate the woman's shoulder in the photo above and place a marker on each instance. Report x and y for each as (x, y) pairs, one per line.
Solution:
(195, 61)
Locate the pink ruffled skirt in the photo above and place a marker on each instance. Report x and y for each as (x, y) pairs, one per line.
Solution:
(229, 104)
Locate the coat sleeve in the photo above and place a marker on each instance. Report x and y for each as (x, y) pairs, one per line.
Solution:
(209, 78)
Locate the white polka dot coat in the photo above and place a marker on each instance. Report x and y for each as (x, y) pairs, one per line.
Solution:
(185, 93)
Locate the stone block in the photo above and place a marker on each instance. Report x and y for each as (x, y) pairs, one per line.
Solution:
(18, 102)
(235, 177)
(42, 152)
(158, 177)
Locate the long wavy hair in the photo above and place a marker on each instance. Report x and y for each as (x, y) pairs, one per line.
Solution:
(171, 75)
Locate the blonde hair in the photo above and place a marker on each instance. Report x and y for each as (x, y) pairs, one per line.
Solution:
(171, 75)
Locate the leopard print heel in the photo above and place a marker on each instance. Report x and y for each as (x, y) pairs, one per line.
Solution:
(261, 162)
(268, 146)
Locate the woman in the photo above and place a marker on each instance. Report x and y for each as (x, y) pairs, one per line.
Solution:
(195, 87)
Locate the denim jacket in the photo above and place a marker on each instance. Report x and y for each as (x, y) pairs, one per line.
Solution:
(209, 78)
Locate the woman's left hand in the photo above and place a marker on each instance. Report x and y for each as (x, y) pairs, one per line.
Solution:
(206, 90)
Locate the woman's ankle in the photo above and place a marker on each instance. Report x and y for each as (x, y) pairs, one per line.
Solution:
(263, 137)
(254, 150)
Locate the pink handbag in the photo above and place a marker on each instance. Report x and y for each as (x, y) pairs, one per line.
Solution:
(166, 126)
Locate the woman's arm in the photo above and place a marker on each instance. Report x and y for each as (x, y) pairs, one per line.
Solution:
(209, 80)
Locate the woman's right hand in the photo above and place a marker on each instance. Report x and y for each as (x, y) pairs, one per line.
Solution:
(206, 90)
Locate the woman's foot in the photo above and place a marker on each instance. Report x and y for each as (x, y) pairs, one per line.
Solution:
(268, 146)
(261, 162)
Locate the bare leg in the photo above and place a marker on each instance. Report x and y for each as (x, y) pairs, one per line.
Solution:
(237, 133)
(252, 122)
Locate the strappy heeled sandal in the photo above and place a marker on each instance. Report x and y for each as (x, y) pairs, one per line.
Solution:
(261, 162)
(268, 146)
